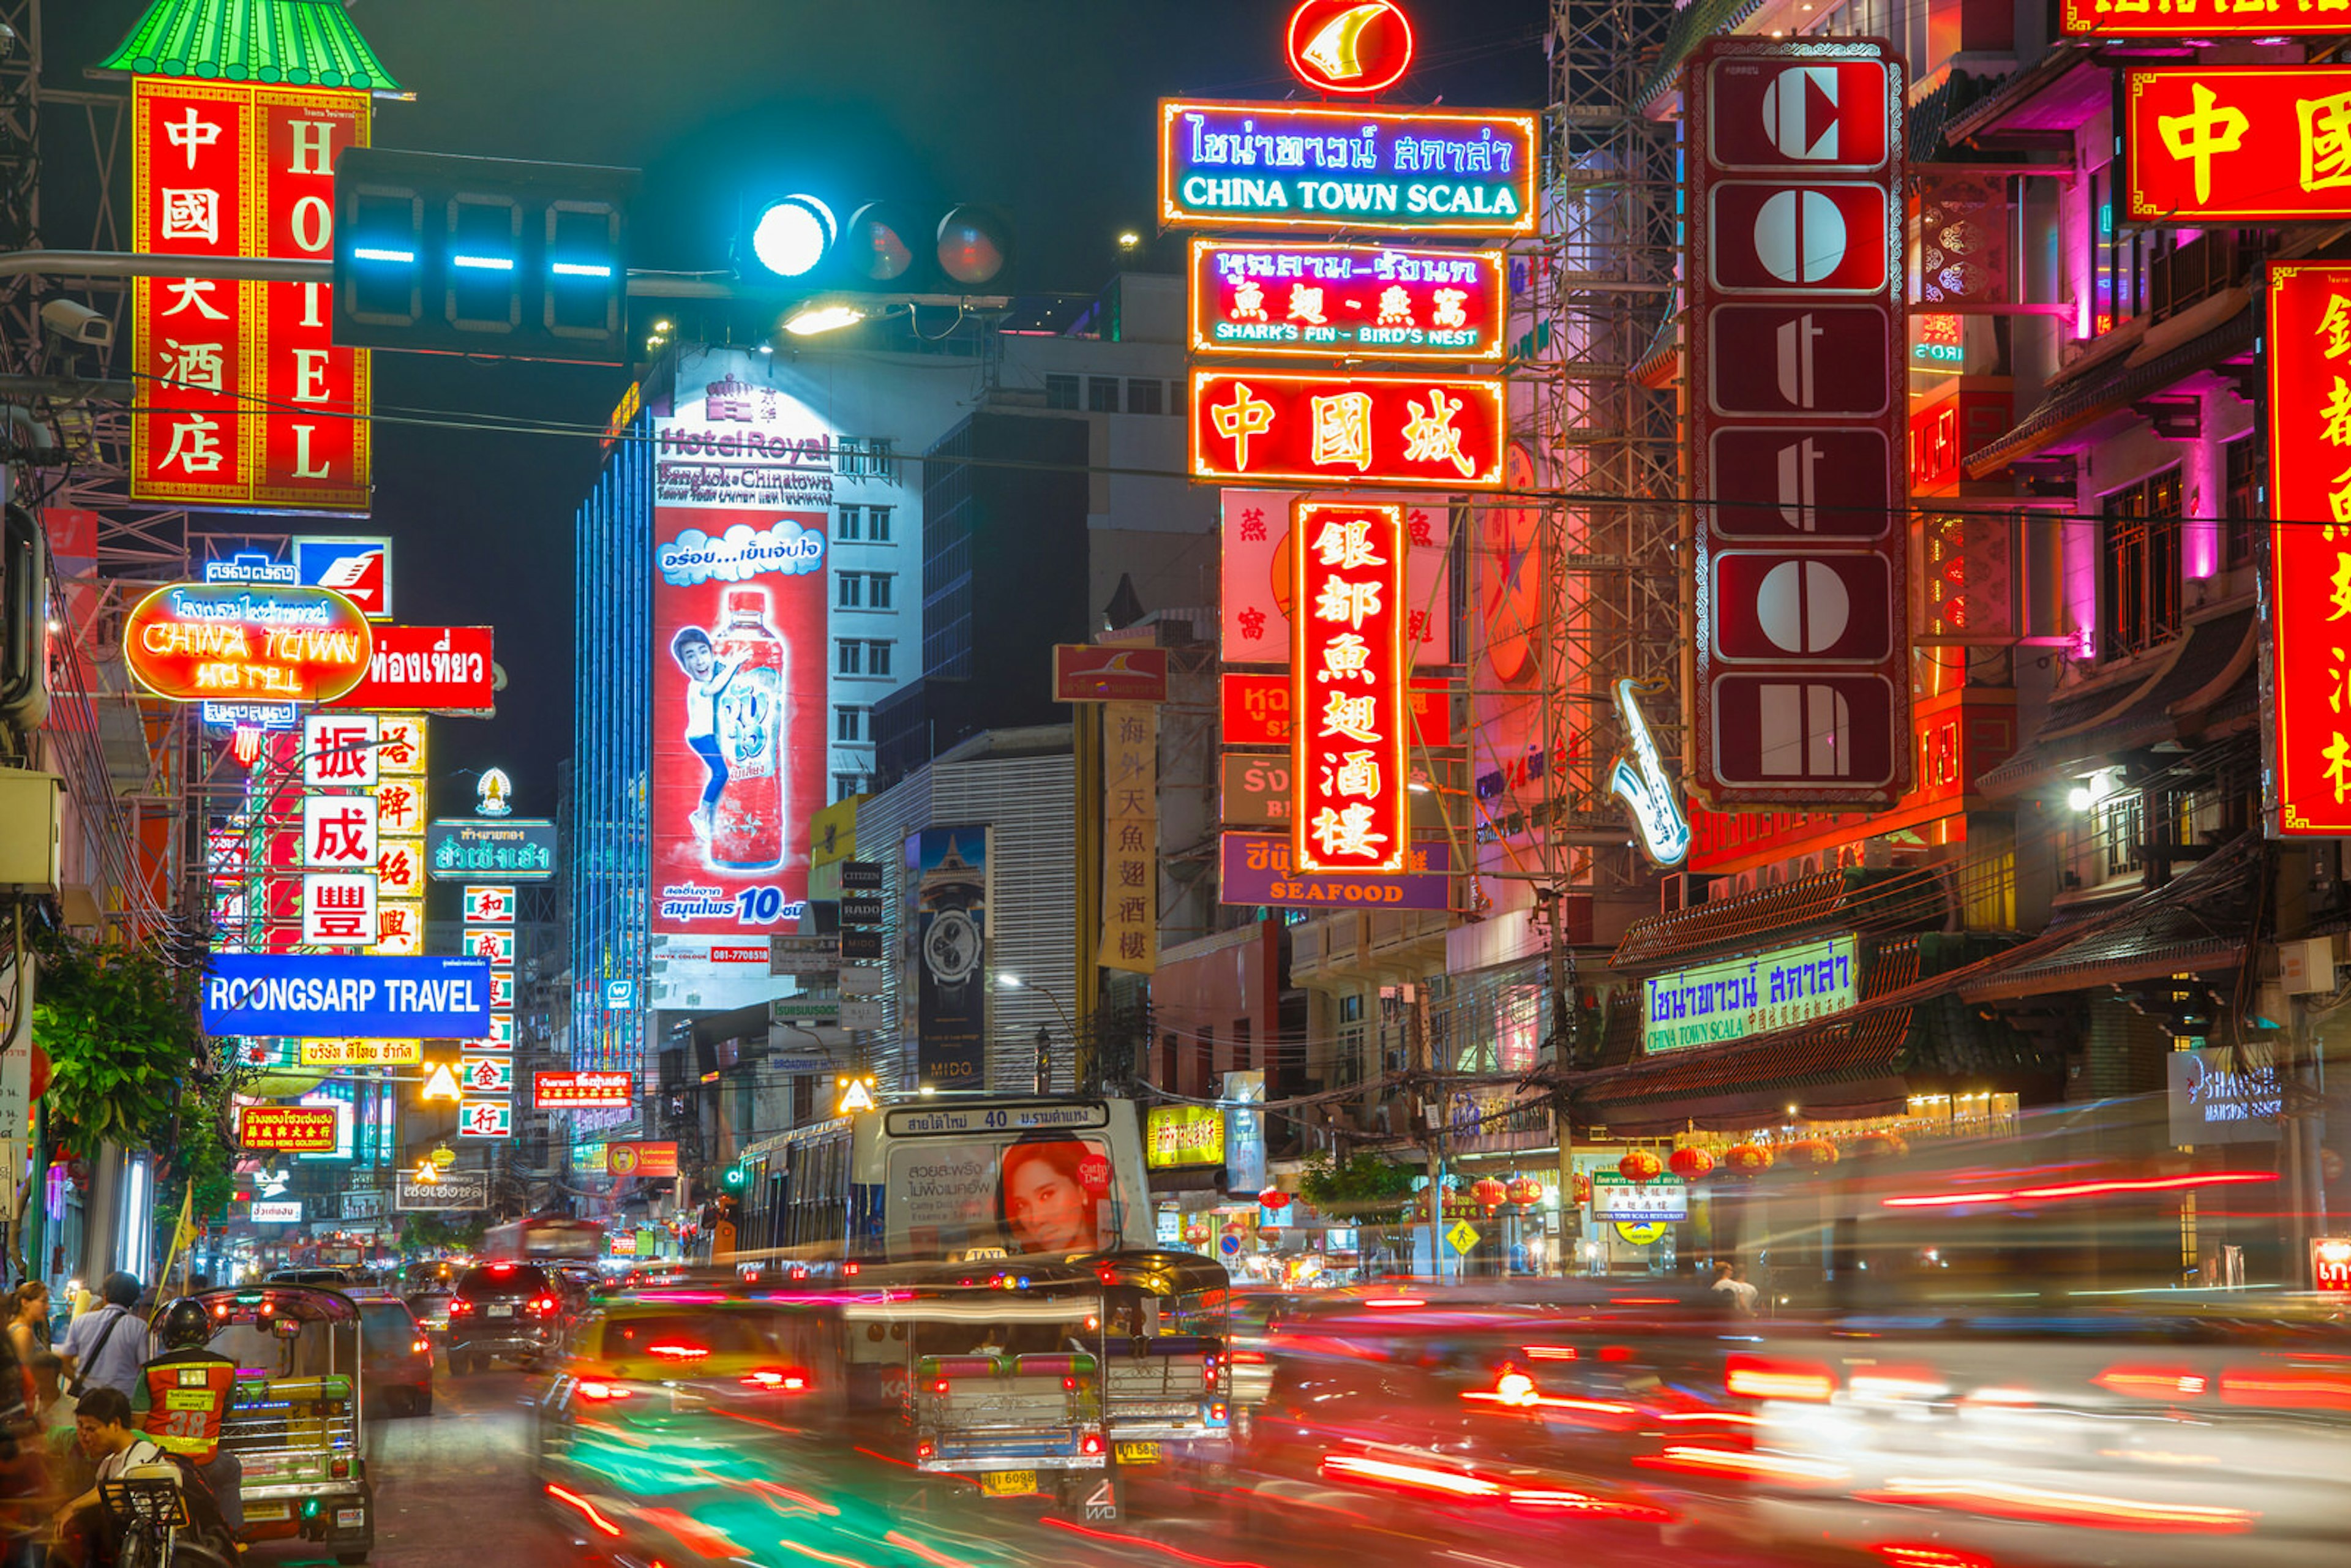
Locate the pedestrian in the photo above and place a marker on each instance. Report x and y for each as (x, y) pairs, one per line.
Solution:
(1729, 1279)
(28, 1319)
(107, 1348)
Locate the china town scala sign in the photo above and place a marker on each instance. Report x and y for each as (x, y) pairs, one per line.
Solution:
(191, 642)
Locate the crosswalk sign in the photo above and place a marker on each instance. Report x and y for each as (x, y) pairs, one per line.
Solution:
(1462, 1237)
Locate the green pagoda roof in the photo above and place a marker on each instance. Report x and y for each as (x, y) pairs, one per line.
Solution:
(297, 43)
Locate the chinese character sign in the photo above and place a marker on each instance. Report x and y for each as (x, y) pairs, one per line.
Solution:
(2307, 584)
(1130, 916)
(245, 400)
(1443, 432)
(339, 750)
(2249, 143)
(1348, 687)
(2198, 19)
(1256, 559)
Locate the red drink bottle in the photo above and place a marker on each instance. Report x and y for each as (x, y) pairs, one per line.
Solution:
(746, 828)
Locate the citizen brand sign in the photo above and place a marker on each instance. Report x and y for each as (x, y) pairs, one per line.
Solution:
(1801, 696)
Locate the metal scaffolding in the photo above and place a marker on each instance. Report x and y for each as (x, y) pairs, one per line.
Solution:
(1592, 299)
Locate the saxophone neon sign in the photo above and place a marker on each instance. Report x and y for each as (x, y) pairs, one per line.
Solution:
(1647, 793)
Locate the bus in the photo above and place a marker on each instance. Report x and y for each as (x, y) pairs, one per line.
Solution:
(947, 1179)
(544, 1239)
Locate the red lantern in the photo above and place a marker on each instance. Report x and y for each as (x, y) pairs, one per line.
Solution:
(1691, 1164)
(1813, 1152)
(1640, 1165)
(1525, 1191)
(1274, 1198)
(1488, 1194)
(1747, 1159)
(1582, 1190)
(1875, 1145)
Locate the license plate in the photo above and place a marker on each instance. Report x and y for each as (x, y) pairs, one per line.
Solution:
(265, 1510)
(1136, 1453)
(350, 1519)
(1007, 1483)
(505, 1311)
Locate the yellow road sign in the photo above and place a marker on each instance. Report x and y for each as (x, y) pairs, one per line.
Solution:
(1462, 1237)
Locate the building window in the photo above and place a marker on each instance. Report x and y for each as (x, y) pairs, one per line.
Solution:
(1242, 1030)
(1102, 395)
(877, 524)
(1174, 397)
(877, 589)
(850, 590)
(1142, 397)
(881, 461)
(1166, 1060)
(846, 724)
(877, 658)
(2238, 456)
(1060, 391)
(845, 785)
(846, 529)
(2122, 829)
(2139, 598)
(1204, 1063)
(848, 657)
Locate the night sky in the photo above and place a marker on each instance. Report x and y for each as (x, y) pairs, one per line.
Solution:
(1040, 107)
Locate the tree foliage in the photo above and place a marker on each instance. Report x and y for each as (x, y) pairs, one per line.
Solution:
(121, 1034)
(1366, 1188)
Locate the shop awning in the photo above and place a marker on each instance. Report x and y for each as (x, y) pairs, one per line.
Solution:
(2169, 353)
(2054, 97)
(1845, 900)
(2176, 695)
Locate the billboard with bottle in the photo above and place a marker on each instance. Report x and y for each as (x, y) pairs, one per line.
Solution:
(742, 485)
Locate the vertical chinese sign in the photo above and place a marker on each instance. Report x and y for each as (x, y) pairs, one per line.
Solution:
(1347, 687)
(2307, 594)
(486, 1072)
(1130, 915)
(244, 399)
(1795, 334)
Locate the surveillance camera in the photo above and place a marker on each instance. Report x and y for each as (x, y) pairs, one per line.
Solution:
(8, 40)
(77, 322)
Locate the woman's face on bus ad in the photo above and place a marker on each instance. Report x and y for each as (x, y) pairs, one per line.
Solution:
(1048, 1210)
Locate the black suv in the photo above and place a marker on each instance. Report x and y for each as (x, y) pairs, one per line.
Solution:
(510, 1311)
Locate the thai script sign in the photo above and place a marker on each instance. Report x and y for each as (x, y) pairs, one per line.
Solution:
(445, 668)
(1288, 165)
(1729, 1000)
(512, 849)
(294, 1129)
(192, 640)
(1376, 302)
(1255, 869)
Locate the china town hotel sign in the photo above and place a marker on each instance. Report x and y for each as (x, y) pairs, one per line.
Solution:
(243, 398)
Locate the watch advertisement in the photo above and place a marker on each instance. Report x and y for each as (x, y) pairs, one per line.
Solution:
(742, 488)
(949, 868)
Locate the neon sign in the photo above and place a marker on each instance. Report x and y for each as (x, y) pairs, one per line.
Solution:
(1444, 433)
(1642, 783)
(2180, 19)
(1347, 681)
(1348, 47)
(227, 641)
(1280, 166)
(2257, 142)
(1380, 302)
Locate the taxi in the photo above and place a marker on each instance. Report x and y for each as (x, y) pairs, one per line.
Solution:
(687, 1364)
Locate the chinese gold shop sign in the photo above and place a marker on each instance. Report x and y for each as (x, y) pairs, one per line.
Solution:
(1444, 433)
(2252, 144)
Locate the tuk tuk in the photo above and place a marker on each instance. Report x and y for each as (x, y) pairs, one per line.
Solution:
(1166, 1381)
(1003, 1383)
(294, 1420)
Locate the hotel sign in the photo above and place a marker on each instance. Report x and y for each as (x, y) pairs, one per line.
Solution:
(1289, 165)
(1327, 429)
(1713, 1003)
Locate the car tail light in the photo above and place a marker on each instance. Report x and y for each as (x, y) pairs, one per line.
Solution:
(940, 1386)
(849, 1270)
(2288, 1388)
(1761, 1377)
(1069, 1385)
(1090, 1444)
(1219, 1411)
(544, 1305)
(1249, 1357)
(926, 1449)
(678, 1352)
(789, 1380)
(338, 1470)
(459, 1307)
(421, 1346)
(2146, 1382)
(600, 1392)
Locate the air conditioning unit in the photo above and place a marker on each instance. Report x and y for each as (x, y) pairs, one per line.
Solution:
(29, 837)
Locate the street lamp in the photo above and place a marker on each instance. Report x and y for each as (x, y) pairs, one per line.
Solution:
(1007, 980)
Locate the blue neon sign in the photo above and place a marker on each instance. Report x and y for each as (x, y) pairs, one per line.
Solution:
(347, 996)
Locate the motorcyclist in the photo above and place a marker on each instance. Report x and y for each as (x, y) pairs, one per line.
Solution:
(183, 1396)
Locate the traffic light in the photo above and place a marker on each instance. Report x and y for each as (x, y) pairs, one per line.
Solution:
(882, 248)
(481, 255)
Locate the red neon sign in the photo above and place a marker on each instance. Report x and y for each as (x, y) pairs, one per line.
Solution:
(1444, 433)
(581, 1091)
(290, 1128)
(1350, 47)
(1326, 301)
(2309, 572)
(2258, 142)
(1256, 710)
(192, 641)
(1347, 681)
(440, 668)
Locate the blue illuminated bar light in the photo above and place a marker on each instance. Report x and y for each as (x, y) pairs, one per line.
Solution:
(579, 269)
(484, 263)
(377, 253)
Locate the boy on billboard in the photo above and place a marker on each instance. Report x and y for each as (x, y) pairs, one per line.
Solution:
(707, 679)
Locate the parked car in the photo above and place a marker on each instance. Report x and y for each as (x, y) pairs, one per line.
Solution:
(502, 1312)
(431, 1308)
(395, 1355)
